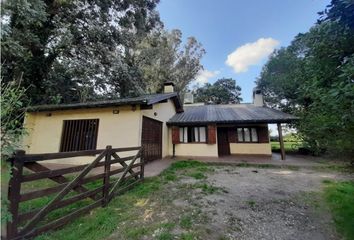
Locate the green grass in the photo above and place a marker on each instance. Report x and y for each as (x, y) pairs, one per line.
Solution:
(123, 214)
(188, 236)
(206, 188)
(186, 165)
(288, 146)
(251, 203)
(186, 222)
(340, 198)
(170, 173)
(197, 175)
(102, 222)
(165, 236)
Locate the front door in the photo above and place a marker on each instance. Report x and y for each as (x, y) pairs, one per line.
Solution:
(223, 142)
(151, 139)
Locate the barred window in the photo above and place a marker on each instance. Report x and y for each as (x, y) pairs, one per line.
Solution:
(79, 135)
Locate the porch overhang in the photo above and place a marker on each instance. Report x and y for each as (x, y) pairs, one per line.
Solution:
(235, 122)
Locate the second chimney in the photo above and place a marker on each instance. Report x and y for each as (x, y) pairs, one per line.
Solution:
(168, 87)
(258, 97)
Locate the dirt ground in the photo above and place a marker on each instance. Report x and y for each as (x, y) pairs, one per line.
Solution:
(229, 202)
(270, 204)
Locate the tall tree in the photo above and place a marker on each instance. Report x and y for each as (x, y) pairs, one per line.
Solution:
(162, 57)
(66, 50)
(313, 78)
(223, 91)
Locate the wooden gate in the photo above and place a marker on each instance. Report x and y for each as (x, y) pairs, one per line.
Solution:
(151, 139)
(101, 188)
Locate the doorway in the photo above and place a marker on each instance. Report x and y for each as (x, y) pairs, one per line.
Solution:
(223, 142)
(151, 139)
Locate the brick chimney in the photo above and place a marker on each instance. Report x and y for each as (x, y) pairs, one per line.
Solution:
(258, 97)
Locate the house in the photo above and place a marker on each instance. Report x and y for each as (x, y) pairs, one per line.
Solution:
(158, 122)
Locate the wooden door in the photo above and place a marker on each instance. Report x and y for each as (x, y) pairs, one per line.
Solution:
(151, 139)
(223, 142)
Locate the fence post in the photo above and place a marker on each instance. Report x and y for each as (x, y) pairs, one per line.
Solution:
(14, 193)
(107, 169)
(142, 166)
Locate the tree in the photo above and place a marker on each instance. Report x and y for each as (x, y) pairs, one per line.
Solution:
(313, 78)
(161, 57)
(66, 50)
(223, 91)
(13, 102)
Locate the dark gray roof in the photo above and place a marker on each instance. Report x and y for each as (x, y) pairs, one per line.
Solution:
(143, 100)
(231, 113)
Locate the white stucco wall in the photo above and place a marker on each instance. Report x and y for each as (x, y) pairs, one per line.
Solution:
(251, 148)
(118, 130)
(164, 112)
(192, 149)
(211, 150)
(196, 149)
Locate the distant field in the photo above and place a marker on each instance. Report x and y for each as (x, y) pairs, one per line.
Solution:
(289, 146)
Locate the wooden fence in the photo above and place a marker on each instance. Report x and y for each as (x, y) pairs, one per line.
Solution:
(30, 223)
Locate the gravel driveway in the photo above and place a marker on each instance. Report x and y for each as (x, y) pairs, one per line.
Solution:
(229, 202)
(269, 204)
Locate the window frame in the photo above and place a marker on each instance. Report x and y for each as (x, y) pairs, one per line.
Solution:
(75, 134)
(243, 134)
(191, 130)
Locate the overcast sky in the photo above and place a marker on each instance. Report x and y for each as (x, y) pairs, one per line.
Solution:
(239, 35)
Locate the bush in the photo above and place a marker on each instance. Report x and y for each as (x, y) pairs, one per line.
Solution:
(12, 114)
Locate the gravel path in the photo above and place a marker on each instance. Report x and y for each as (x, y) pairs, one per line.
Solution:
(269, 204)
(230, 202)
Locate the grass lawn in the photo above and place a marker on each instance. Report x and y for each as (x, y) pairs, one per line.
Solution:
(147, 209)
(340, 198)
(130, 207)
(289, 146)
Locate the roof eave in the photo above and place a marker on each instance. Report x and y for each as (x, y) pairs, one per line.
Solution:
(268, 121)
(84, 106)
(108, 104)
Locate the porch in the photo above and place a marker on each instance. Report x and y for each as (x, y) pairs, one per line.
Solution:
(221, 130)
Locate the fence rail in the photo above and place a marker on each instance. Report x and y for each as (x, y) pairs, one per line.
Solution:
(104, 186)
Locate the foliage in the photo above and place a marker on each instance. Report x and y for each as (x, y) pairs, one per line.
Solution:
(314, 79)
(12, 104)
(339, 196)
(161, 57)
(102, 222)
(75, 51)
(289, 146)
(292, 137)
(223, 91)
(12, 112)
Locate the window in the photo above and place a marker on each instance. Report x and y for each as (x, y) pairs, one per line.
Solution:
(79, 135)
(254, 135)
(192, 134)
(247, 135)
